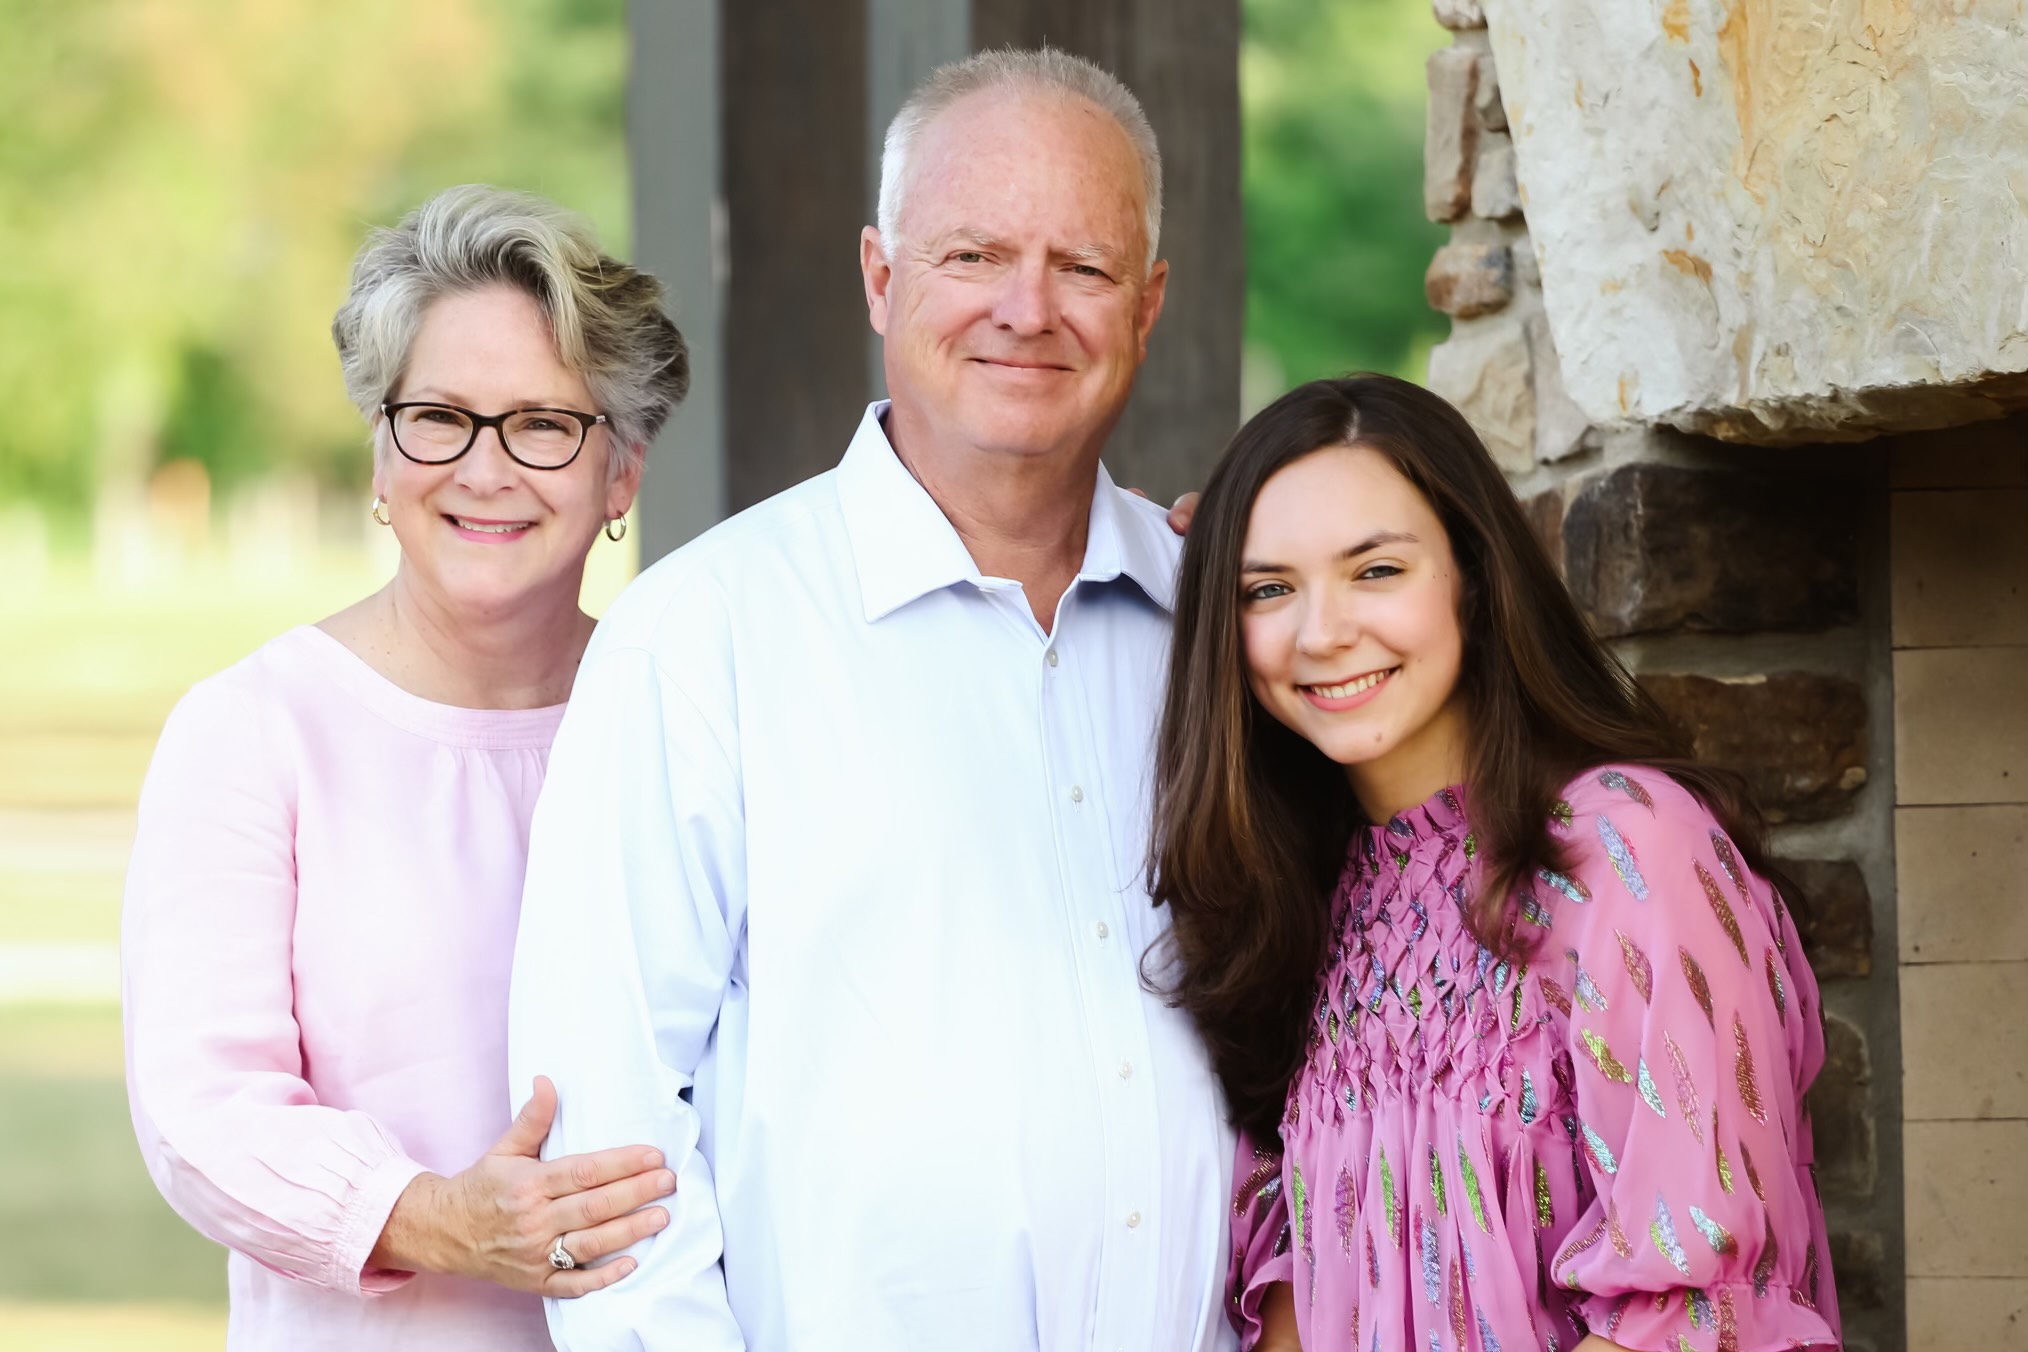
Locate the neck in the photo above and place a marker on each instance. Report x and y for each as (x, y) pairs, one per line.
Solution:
(524, 656)
(1429, 759)
(1022, 517)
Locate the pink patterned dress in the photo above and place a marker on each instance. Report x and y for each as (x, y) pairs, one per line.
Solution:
(1610, 1137)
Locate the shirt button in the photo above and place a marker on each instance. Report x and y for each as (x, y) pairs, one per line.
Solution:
(1126, 1070)
(1051, 658)
(1133, 1220)
(1100, 929)
(1076, 794)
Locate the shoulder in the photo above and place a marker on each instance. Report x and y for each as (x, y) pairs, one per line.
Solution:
(1630, 828)
(694, 589)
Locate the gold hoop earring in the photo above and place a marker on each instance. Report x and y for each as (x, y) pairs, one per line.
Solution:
(378, 511)
(616, 535)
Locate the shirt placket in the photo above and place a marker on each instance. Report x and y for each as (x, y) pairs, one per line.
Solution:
(1108, 977)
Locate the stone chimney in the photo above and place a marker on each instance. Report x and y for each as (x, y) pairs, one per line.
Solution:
(1739, 292)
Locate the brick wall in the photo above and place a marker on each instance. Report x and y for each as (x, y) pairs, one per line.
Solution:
(1960, 629)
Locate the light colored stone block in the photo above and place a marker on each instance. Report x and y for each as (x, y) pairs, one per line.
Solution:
(1966, 1198)
(1990, 1315)
(1961, 725)
(1772, 220)
(1960, 567)
(1561, 429)
(1961, 883)
(1450, 133)
(1468, 280)
(1964, 1040)
(1495, 194)
(1458, 15)
(1485, 370)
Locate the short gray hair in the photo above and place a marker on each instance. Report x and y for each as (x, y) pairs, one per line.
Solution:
(1047, 71)
(604, 316)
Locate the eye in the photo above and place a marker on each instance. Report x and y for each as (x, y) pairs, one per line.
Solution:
(542, 422)
(1378, 571)
(1266, 591)
(968, 256)
(437, 415)
(1087, 270)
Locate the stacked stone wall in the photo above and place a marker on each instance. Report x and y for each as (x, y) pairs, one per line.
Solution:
(1747, 590)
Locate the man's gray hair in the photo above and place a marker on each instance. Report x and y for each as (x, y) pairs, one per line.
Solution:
(604, 317)
(1048, 71)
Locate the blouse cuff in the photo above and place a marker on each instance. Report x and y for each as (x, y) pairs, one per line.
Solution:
(1721, 1316)
(365, 1217)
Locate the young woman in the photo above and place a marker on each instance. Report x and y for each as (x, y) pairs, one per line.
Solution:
(1506, 1004)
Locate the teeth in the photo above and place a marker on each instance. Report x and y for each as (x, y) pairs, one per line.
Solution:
(491, 529)
(1364, 683)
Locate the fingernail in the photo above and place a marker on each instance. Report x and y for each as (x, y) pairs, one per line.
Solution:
(626, 1266)
(667, 1182)
(661, 1220)
(654, 1159)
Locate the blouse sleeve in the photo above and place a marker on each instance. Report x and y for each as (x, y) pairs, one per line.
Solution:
(1693, 1032)
(1260, 1235)
(230, 1130)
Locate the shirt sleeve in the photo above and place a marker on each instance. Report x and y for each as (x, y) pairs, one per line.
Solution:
(1260, 1235)
(1693, 1032)
(231, 1132)
(630, 922)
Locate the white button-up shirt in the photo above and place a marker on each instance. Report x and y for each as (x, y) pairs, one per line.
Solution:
(835, 894)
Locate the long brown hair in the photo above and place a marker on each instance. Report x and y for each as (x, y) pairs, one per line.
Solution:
(1251, 822)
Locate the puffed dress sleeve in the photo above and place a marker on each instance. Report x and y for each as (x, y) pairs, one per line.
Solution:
(1694, 1030)
(231, 1131)
(1260, 1235)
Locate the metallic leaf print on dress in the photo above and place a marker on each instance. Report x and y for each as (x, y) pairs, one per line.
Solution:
(1699, 986)
(1722, 908)
(1622, 856)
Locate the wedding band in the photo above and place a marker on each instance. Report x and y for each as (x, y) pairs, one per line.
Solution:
(559, 1257)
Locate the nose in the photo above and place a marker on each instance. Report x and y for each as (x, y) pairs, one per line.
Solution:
(486, 467)
(1026, 305)
(1330, 624)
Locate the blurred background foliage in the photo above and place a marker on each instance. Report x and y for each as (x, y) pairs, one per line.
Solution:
(183, 184)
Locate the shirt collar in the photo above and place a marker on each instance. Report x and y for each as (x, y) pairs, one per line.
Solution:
(905, 548)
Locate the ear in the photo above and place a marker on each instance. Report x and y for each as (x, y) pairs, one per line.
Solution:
(1152, 295)
(877, 274)
(625, 483)
(382, 451)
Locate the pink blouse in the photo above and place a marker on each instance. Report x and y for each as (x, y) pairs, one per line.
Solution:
(319, 923)
(1608, 1137)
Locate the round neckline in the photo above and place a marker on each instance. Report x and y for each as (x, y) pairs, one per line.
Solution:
(452, 724)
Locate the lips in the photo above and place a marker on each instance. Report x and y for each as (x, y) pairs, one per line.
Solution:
(480, 526)
(1349, 694)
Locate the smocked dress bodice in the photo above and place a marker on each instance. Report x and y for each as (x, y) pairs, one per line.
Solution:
(1605, 1134)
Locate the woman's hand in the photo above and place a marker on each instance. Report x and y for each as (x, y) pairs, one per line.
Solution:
(497, 1220)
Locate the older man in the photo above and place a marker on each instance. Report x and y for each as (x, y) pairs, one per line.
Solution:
(835, 891)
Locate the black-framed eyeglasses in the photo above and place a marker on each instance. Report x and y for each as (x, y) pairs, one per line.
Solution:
(540, 438)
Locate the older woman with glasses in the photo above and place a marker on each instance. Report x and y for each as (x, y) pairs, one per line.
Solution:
(321, 909)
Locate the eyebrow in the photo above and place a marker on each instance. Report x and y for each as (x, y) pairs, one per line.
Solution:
(1370, 543)
(1082, 253)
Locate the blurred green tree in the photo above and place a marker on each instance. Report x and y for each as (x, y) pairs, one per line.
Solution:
(1332, 101)
(184, 182)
